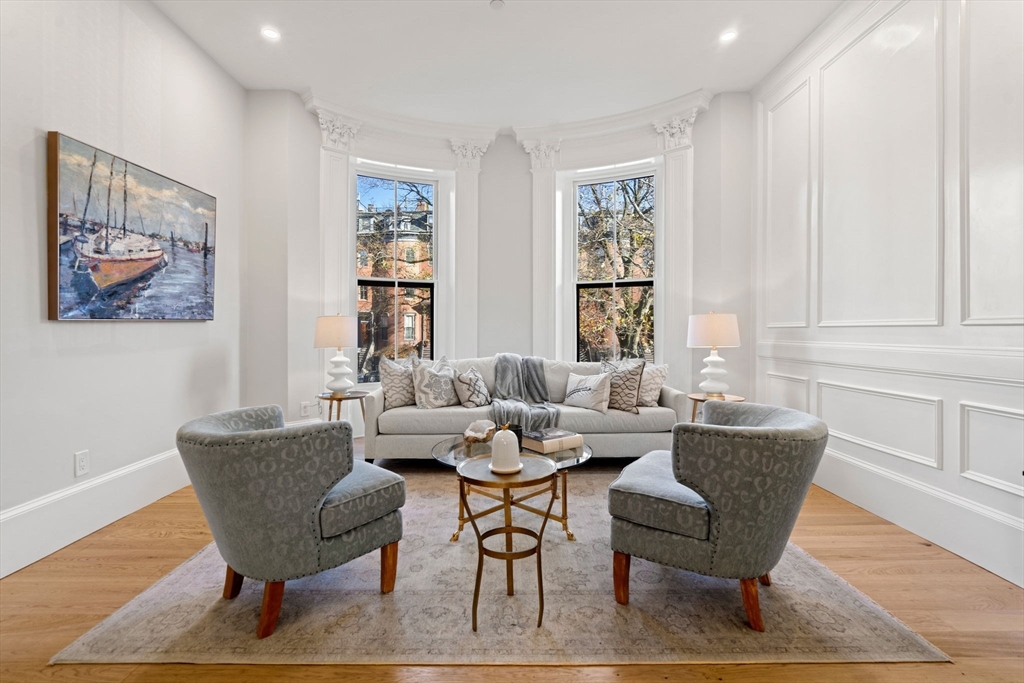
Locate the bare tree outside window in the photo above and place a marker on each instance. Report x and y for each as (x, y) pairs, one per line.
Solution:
(394, 247)
(615, 269)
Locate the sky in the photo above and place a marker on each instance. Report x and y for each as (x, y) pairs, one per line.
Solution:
(155, 203)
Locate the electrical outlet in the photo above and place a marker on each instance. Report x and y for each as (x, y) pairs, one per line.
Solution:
(81, 463)
(306, 409)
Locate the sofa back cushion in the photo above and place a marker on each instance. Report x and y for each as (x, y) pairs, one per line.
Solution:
(485, 366)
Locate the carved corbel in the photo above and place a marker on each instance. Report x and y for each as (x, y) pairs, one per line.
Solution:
(675, 132)
(468, 152)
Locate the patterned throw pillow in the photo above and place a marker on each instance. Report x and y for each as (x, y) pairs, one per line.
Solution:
(471, 389)
(588, 391)
(651, 384)
(625, 383)
(396, 381)
(435, 387)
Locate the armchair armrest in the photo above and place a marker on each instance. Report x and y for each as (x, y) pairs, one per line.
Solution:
(374, 404)
(262, 490)
(674, 399)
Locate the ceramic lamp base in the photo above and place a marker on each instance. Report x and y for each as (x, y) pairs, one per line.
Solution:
(714, 386)
(339, 371)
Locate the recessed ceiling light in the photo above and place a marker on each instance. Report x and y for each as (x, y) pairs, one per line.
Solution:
(497, 4)
(271, 33)
(727, 37)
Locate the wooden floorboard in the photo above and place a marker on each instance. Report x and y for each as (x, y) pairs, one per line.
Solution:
(974, 616)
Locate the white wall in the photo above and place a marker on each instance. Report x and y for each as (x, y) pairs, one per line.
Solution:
(722, 237)
(119, 76)
(887, 303)
(281, 295)
(506, 249)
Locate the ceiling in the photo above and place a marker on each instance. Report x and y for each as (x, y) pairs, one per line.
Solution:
(532, 62)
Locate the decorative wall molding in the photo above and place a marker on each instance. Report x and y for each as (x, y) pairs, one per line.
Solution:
(936, 314)
(790, 379)
(542, 153)
(967, 317)
(769, 179)
(337, 132)
(966, 471)
(675, 132)
(468, 152)
(934, 403)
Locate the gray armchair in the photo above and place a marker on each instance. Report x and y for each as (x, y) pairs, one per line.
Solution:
(287, 502)
(723, 502)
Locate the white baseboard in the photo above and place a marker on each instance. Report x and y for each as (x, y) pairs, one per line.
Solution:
(985, 536)
(33, 530)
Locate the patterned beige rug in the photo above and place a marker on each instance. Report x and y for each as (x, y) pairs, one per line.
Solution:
(811, 615)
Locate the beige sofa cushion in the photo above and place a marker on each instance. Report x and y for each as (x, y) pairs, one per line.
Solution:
(455, 419)
(556, 373)
(614, 421)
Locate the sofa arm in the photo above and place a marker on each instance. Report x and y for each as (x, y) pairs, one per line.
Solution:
(374, 404)
(676, 400)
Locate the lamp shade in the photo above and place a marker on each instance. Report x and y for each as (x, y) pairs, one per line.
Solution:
(709, 330)
(335, 332)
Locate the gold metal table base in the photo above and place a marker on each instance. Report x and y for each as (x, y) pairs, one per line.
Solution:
(562, 493)
(509, 555)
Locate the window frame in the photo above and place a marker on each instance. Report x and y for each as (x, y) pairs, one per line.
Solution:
(567, 263)
(368, 168)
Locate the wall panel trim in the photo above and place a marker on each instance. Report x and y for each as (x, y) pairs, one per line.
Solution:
(966, 408)
(935, 403)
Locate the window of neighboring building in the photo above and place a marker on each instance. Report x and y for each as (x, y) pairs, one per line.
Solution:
(615, 223)
(410, 327)
(395, 247)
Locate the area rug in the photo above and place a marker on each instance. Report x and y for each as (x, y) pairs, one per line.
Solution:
(340, 616)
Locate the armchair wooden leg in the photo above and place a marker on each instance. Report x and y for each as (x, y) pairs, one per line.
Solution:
(765, 580)
(388, 567)
(232, 584)
(620, 576)
(273, 594)
(750, 603)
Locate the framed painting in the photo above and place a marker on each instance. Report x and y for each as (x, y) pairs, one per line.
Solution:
(125, 243)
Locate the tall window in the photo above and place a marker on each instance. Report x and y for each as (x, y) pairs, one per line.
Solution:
(615, 269)
(395, 270)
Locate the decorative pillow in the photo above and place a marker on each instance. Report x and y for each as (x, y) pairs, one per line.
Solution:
(472, 390)
(588, 391)
(651, 384)
(396, 381)
(625, 383)
(435, 387)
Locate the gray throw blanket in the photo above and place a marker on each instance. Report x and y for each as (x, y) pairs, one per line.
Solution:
(521, 393)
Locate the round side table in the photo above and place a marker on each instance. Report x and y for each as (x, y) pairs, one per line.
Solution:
(341, 398)
(537, 471)
(701, 397)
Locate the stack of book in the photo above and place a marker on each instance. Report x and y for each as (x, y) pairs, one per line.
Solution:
(551, 440)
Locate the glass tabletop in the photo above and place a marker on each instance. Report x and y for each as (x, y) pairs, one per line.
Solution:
(453, 451)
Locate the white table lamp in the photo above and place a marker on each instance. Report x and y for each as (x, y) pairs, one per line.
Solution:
(710, 331)
(337, 332)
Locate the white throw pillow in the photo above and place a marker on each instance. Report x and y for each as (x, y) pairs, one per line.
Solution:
(396, 381)
(435, 387)
(472, 389)
(651, 384)
(588, 391)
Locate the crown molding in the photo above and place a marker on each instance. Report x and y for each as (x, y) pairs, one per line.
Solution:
(632, 121)
(404, 125)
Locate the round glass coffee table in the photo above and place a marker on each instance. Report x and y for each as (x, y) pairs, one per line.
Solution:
(453, 451)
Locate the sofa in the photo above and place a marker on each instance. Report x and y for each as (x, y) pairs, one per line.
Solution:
(411, 432)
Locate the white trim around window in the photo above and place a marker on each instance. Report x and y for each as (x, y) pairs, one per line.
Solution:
(565, 312)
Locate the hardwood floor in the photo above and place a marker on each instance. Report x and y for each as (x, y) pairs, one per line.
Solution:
(972, 615)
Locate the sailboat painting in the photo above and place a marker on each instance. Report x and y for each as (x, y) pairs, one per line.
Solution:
(125, 243)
